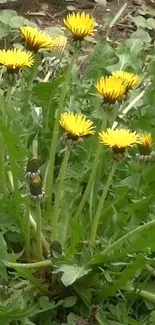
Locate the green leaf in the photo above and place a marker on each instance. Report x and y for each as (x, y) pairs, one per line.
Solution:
(69, 301)
(142, 35)
(18, 21)
(3, 255)
(72, 319)
(25, 321)
(85, 295)
(135, 45)
(132, 321)
(29, 275)
(45, 304)
(139, 21)
(44, 90)
(131, 181)
(98, 65)
(71, 273)
(54, 31)
(4, 30)
(13, 143)
(6, 15)
(150, 23)
(128, 273)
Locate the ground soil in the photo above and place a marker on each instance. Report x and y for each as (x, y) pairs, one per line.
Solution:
(50, 12)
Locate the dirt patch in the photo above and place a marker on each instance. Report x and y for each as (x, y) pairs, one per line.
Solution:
(51, 12)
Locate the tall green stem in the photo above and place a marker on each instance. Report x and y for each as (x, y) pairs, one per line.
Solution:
(16, 192)
(27, 230)
(92, 174)
(30, 79)
(3, 189)
(38, 232)
(142, 293)
(50, 168)
(45, 244)
(58, 195)
(2, 165)
(101, 203)
(65, 228)
(36, 265)
(8, 96)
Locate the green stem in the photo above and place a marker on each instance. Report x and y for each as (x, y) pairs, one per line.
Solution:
(2, 166)
(101, 203)
(117, 244)
(65, 228)
(13, 166)
(45, 244)
(92, 174)
(16, 192)
(34, 70)
(3, 188)
(27, 230)
(142, 293)
(8, 96)
(49, 112)
(49, 176)
(33, 73)
(35, 146)
(38, 232)
(58, 195)
(36, 265)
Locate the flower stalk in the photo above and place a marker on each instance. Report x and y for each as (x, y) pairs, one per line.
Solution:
(45, 244)
(27, 227)
(36, 265)
(38, 231)
(58, 195)
(101, 204)
(92, 174)
(142, 293)
(3, 188)
(2, 166)
(49, 175)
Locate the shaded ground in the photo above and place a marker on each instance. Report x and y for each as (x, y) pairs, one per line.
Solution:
(51, 12)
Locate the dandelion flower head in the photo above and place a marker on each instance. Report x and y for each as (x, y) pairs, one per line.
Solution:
(119, 139)
(76, 125)
(111, 88)
(131, 80)
(146, 144)
(16, 59)
(36, 39)
(80, 25)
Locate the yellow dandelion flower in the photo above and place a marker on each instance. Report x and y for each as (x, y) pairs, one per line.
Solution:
(36, 39)
(76, 125)
(131, 80)
(146, 144)
(119, 139)
(15, 59)
(111, 88)
(80, 25)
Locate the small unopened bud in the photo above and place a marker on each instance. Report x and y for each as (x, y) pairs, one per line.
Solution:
(36, 190)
